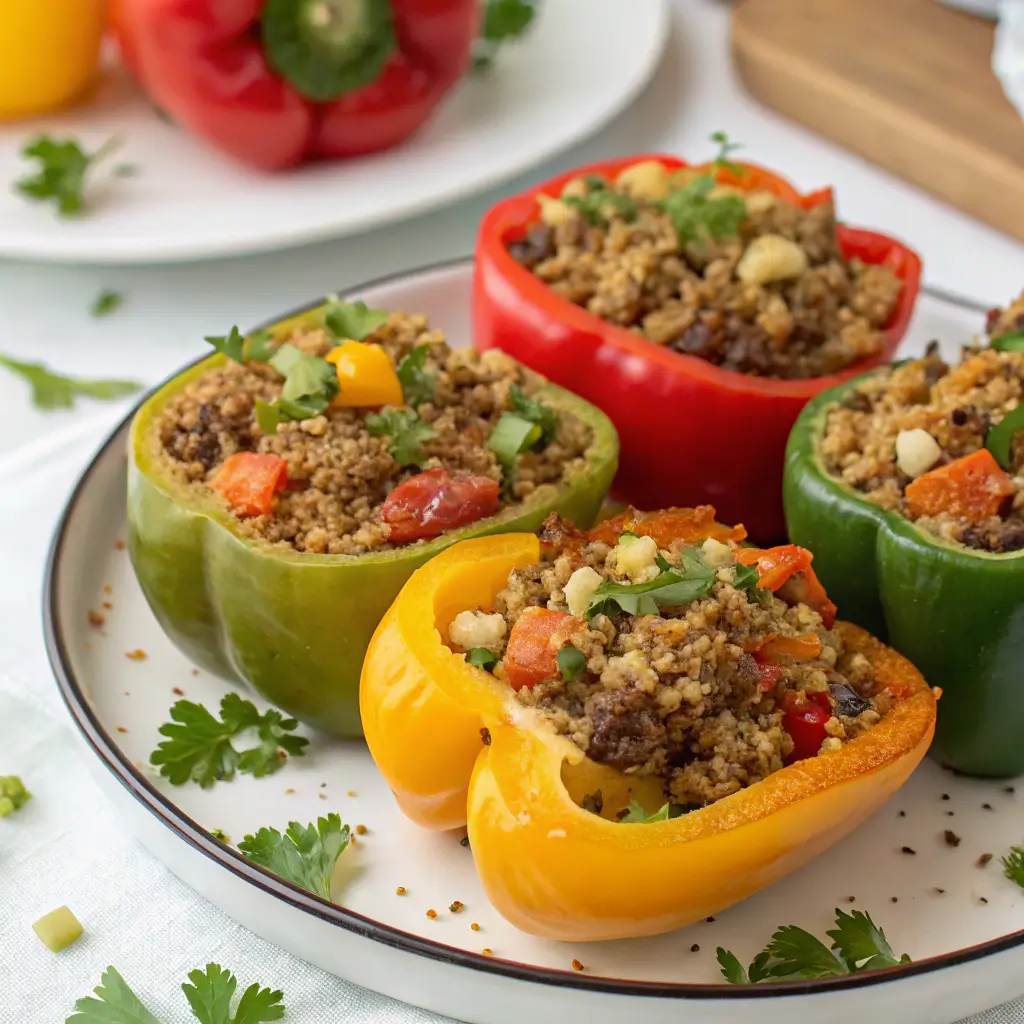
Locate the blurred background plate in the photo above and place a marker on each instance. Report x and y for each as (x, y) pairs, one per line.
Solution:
(582, 63)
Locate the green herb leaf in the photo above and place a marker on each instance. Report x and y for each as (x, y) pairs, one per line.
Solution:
(503, 21)
(571, 663)
(13, 795)
(220, 835)
(999, 440)
(1013, 865)
(417, 382)
(105, 303)
(732, 969)
(231, 344)
(304, 855)
(198, 746)
(211, 992)
(352, 321)
(512, 435)
(117, 1004)
(481, 657)
(62, 170)
(536, 412)
(268, 416)
(1011, 341)
(259, 347)
(595, 205)
(406, 433)
(55, 391)
(636, 815)
(672, 587)
(309, 385)
(725, 147)
(259, 1005)
(695, 216)
(861, 943)
(796, 953)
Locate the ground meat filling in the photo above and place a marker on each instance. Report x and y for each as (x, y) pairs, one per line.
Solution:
(685, 694)
(338, 473)
(944, 412)
(776, 300)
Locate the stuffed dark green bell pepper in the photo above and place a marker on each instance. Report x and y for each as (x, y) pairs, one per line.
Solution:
(281, 491)
(908, 485)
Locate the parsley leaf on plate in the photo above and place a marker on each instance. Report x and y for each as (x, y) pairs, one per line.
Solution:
(116, 1004)
(259, 347)
(304, 855)
(1013, 865)
(105, 303)
(417, 382)
(62, 171)
(56, 391)
(503, 21)
(352, 321)
(199, 747)
(406, 433)
(211, 992)
(858, 944)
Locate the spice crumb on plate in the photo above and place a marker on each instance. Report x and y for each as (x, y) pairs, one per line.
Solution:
(361, 830)
(695, 948)
(983, 860)
(400, 891)
(456, 906)
(952, 839)
(487, 951)
(137, 655)
(908, 850)
(987, 807)
(121, 728)
(97, 619)
(177, 691)
(289, 790)
(577, 965)
(474, 927)
(195, 671)
(431, 914)
(938, 891)
(120, 545)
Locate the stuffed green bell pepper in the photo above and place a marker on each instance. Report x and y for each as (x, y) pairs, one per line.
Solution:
(908, 485)
(281, 491)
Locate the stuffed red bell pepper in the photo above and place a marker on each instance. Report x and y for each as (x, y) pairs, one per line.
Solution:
(700, 308)
(276, 82)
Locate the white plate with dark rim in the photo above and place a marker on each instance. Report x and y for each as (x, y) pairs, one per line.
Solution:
(963, 924)
(188, 202)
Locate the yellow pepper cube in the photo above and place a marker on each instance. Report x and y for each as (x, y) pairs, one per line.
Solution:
(366, 376)
(58, 929)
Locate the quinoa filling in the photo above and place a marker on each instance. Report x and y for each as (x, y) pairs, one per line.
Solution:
(342, 464)
(742, 279)
(672, 662)
(922, 439)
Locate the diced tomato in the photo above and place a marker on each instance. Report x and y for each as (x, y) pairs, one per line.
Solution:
(673, 524)
(770, 676)
(431, 503)
(816, 198)
(804, 719)
(249, 481)
(974, 488)
(806, 647)
(533, 645)
(789, 564)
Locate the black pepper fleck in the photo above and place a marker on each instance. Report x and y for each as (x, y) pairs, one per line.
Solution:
(908, 850)
(851, 899)
(952, 839)
(938, 891)
(894, 899)
(709, 919)
(1009, 789)
(464, 841)
(903, 814)
(981, 899)
(485, 735)
(945, 796)
(986, 807)
(695, 948)
(983, 860)
(949, 814)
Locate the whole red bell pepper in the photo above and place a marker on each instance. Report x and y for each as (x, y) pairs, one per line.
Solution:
(691, 432)
(276, 82)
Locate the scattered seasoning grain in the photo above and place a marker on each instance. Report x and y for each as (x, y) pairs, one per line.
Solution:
(851, 899)
(952, 839)
(108, 605)
(938, 891)
(986, 807)
(1009, 789)
(120, 545)
(177, 691)
(487, 951)
(894, 899)
(709, 920)
(121, 728)
(195, 671)
(137, 655)
(323, 796)
(351, 792)
(96, 618)
(361, 830)
(903, 814)
(464, 841)
(431, 914)
(981, 899)
(695, 948)
(107, 588)
(950, 814)
(945, 796)
(127, 694)
(475, 927)
(289, 790)
(323, 785)
(456, 906)
(983, 860)
(908, 850)
(485, 735)
(577, 966)
(400, 891)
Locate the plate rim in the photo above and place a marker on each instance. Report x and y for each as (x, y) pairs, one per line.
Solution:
(191, 832)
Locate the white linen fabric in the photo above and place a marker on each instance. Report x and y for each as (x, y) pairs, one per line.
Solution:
(67, 845)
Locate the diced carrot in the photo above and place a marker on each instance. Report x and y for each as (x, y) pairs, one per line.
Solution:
(789, 567)
(816, 198)
(673, 524)
(973, 488)
(249, 481)
(533, 645)
(806, 647)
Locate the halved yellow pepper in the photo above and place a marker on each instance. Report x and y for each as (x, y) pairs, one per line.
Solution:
(457, 748)
(365, 375)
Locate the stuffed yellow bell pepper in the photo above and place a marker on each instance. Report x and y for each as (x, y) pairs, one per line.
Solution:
(648, 701)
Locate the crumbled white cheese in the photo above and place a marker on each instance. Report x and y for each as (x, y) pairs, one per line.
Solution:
(579, 589)
(477, 629)
(716, 554)
(832, 743)
(916, 451)
(635, 557)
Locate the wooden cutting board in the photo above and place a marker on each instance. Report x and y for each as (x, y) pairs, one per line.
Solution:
(905, 83)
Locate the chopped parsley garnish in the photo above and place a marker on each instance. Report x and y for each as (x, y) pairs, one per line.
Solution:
(600, 198)
(352, 321)
(481, 657)
(62, 171)
(231, 344)
(406, 433)
(999, 440)
(55, 391)
(1011, 341)
(209, 994)
(511, 436)
(305, 855)
(695, 214)
(1013, 865)
(417, 382)
(259, 347)
(636, 815)
(13, 795)
(536, 412)
(199, 747)
(503, 20)
(793, 954)
(309, 385)
(571, 663)
(220, 835)
(105, 303)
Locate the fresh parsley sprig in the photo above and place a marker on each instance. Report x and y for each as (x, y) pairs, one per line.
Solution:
(63, 166)
(258, 347)
(1013, 865)
(636, 815)
(210, 994)
(52, 390)
(481, 657)
(530, 425)
(793, 954)
(305, 855)
(1011, 341)
(601, 198)
(352, 321)
(535, 412)
(198, 745)
(310, 383)
(416, 380)
(405, 432)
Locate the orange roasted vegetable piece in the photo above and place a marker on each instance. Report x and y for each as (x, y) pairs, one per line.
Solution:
(806, 647)
(789, 566)
(973, 487)
(365, 376)
(668, 525)
(456, 748)
(249, 481)
(531, 654)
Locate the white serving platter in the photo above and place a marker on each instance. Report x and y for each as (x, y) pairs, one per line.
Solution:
(962, 924)
(584, 61)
